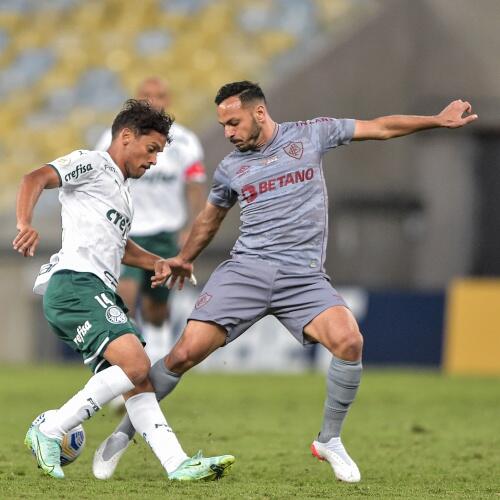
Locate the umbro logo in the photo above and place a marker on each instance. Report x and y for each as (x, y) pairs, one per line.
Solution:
(242, 170)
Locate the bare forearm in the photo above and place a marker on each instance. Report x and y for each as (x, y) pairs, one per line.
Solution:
(136, 256)
(400, 125)
(204, 229)
(27, 197)
(29, 192)
(457, 114)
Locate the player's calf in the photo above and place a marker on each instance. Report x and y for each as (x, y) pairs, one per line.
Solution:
(109, 453)
(198, 341)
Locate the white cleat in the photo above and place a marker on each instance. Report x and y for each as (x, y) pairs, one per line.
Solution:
(342, 464)
(108, 455)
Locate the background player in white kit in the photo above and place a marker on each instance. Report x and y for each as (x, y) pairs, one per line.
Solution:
(166, 201)
(277, 265)
(80, 302)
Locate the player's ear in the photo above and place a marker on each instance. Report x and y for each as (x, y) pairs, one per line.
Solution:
(260, 112)
(126, 135)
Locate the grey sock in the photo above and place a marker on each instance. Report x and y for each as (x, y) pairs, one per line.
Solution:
(342, 384)
(164, 382)
(115, 443)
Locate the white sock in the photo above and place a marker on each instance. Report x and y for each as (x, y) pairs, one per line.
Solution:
(158, 340)
(98, 391)
(147, 418)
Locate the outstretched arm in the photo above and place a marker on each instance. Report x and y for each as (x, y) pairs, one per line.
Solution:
(195, 197)
(31, 187)
(204, 229)
(456, 114)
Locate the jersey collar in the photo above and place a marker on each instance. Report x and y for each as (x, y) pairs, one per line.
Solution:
(273, 138)
(116, 168)
(266, 146)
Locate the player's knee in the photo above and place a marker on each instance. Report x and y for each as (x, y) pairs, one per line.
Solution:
(349, 344)
(138, 371)
(180, 359)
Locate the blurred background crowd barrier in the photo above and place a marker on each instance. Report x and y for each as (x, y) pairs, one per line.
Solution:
(414, 223)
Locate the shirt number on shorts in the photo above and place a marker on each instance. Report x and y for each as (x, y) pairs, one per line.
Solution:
(104, 301)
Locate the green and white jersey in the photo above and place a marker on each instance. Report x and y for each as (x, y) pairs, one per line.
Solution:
(96, 217)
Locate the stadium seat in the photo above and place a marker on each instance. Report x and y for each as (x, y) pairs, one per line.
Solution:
(68, 65)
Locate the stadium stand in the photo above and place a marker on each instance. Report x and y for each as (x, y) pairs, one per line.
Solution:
(67, 65)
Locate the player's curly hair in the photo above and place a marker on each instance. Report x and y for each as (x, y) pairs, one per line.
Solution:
(247, 92)
(142, 118)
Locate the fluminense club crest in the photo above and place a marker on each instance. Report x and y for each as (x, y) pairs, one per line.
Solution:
(203, 300)
(294, 149)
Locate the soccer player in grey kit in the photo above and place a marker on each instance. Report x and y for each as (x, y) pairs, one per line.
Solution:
(277, 264)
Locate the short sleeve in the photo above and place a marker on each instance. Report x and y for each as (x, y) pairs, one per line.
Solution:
(192, 158)
(221, 193)
(195, 172)
(328, 133)
(194, 149)
(74, 169)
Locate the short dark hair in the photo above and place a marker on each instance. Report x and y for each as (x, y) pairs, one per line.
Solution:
(142, 118)
(245, 90)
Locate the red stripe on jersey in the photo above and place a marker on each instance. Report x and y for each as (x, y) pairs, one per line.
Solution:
(195, 172)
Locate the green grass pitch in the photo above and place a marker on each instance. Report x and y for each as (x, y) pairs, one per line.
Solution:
(413, 434)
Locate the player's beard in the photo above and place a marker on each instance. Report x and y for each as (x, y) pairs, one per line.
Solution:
(252, 142)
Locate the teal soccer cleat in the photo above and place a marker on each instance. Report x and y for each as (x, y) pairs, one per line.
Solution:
(200, 468)
(46, 450)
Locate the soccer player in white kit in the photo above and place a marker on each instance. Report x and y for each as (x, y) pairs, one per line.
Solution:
(275, 174)
(166, 201)
(79, 283)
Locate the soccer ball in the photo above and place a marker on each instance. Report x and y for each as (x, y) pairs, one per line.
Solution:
(72, 443)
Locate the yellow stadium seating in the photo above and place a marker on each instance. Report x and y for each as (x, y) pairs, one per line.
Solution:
(205, 48)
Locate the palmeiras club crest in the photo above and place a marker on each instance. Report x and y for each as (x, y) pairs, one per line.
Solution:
(294, 149)
(203, 300)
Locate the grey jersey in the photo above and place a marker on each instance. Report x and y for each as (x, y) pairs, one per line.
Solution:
(282, 193)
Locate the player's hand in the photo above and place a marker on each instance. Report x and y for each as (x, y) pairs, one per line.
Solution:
(180, 270)
(26, 240)
(162, 273)
(457, 114)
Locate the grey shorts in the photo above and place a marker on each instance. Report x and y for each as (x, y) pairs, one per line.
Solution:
(240, 292)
